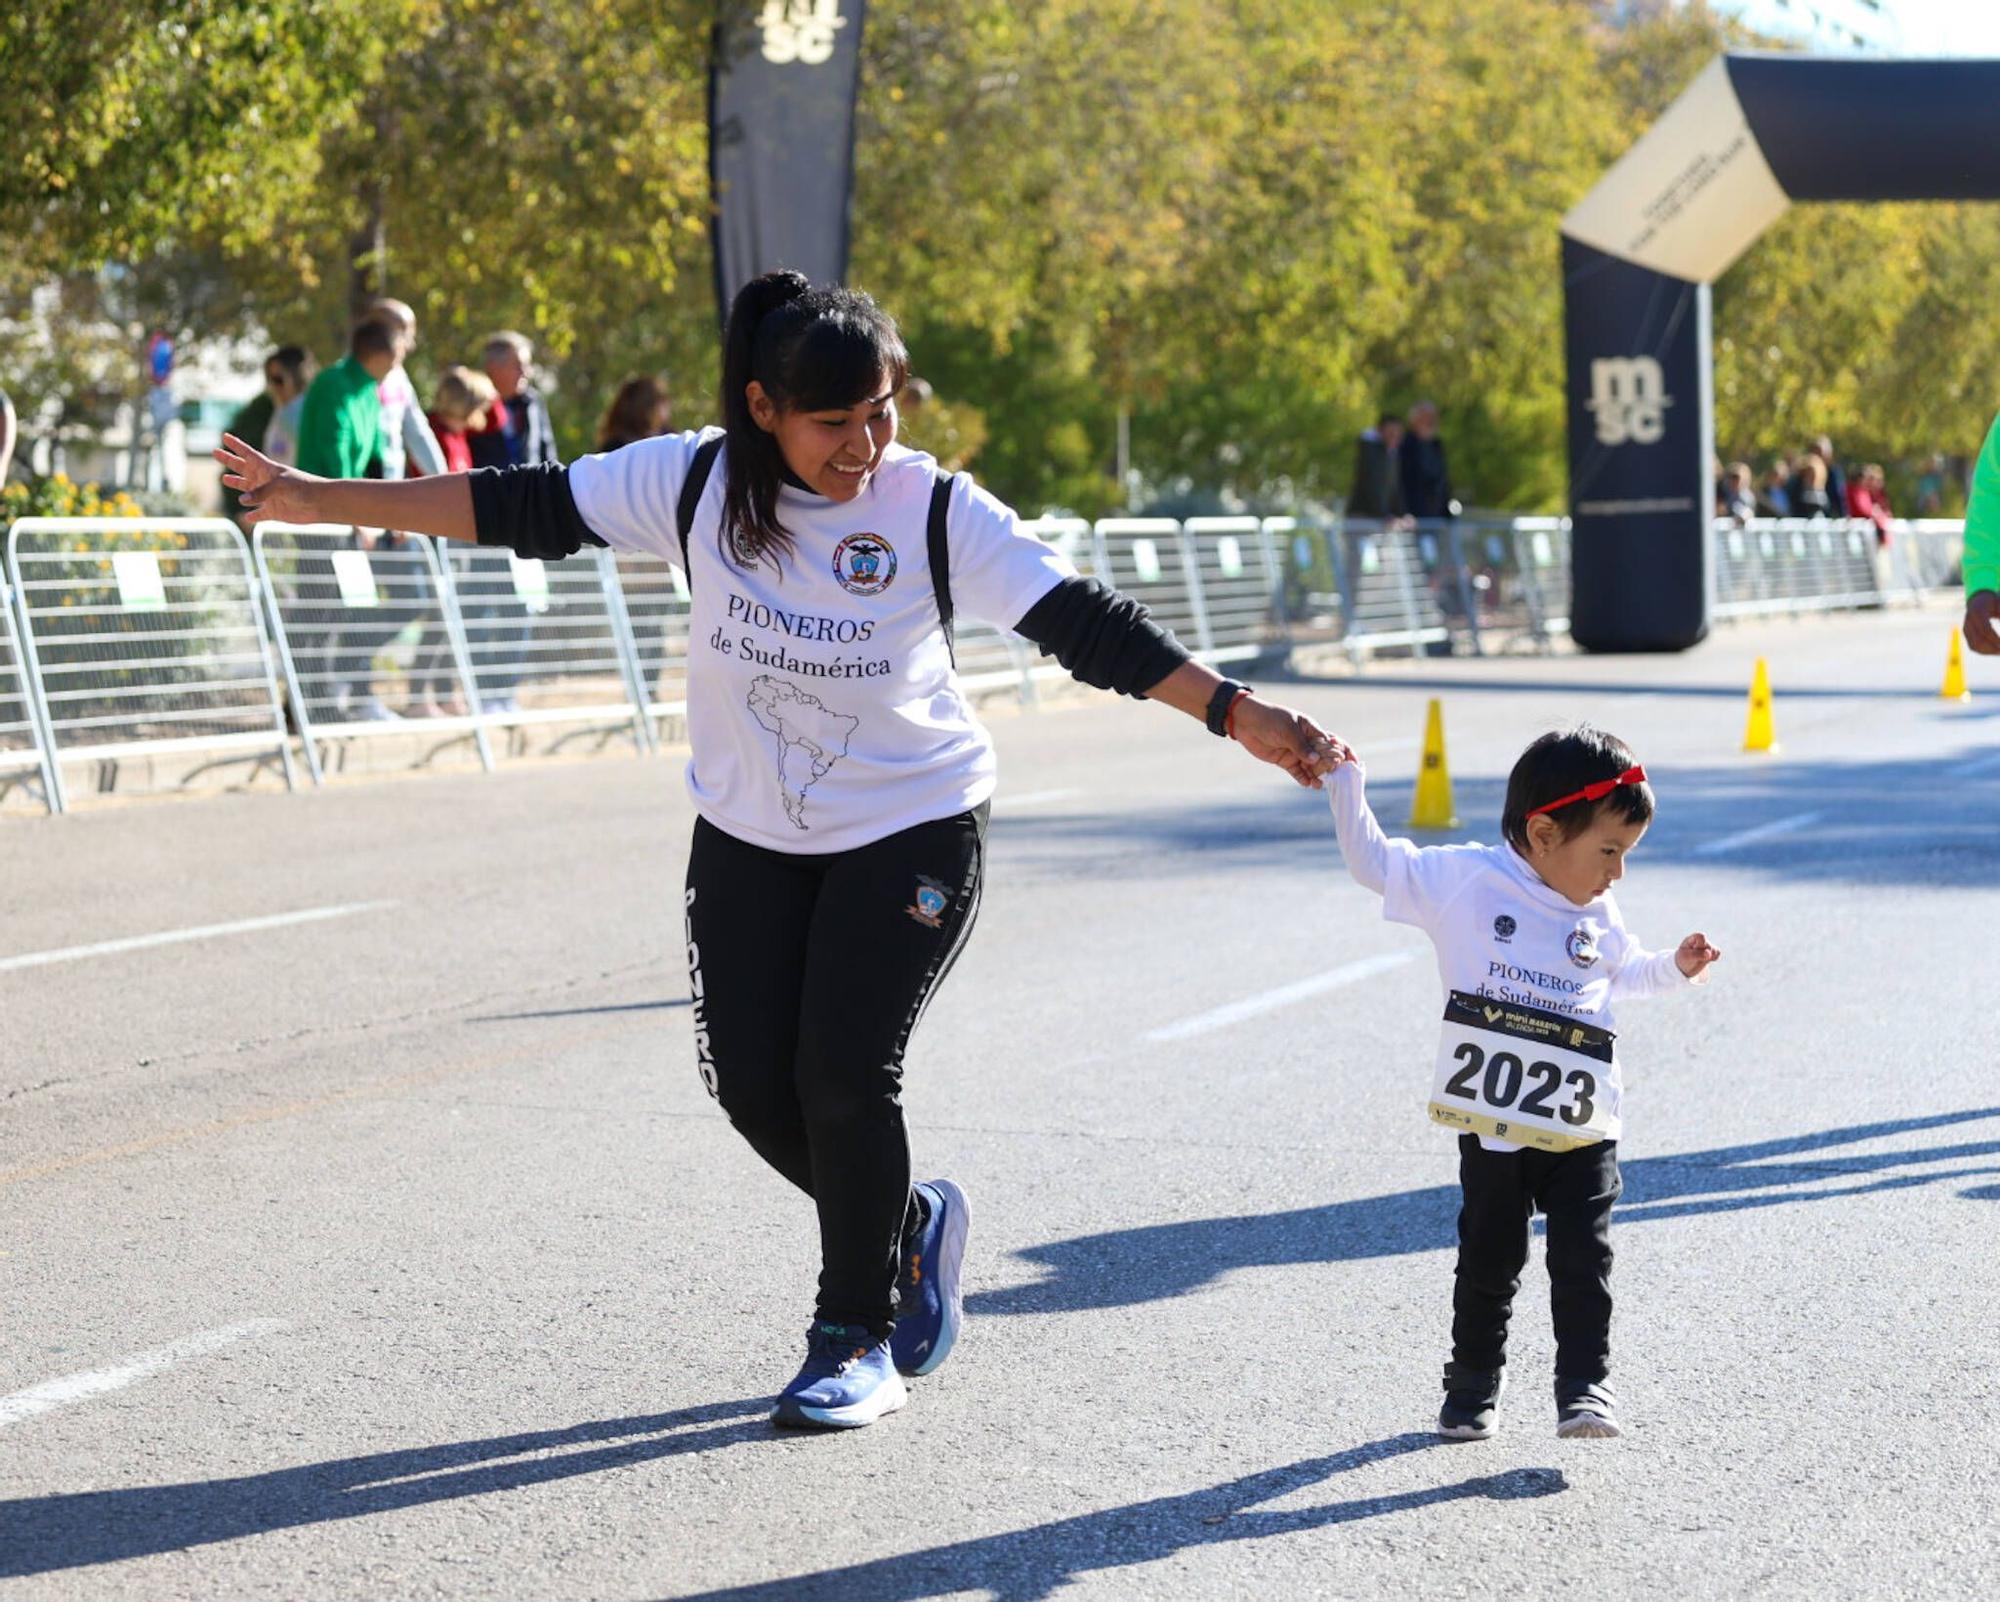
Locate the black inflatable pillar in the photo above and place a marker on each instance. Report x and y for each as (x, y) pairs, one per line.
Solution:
(1641, 440)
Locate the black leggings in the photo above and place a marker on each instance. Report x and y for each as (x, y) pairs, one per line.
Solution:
(1574, 1190)
(809, 974)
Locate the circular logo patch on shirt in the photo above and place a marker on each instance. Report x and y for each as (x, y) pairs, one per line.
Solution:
(865, 564)
(1582, 948)
(1504, 927)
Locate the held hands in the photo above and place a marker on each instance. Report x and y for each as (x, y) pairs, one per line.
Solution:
(1694, 955)
(1290, 739)
(271, 493)
(1982, 622)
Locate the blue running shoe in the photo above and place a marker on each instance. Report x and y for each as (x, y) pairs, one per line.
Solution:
(845, 1383)
(930, 1305)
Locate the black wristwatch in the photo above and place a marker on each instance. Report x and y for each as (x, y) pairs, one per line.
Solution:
(1219, 704)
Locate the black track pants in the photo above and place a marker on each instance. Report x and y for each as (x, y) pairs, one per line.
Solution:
(1503, 1190)
(809, 974)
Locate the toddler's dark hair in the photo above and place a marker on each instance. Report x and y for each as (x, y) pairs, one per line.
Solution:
(1562, 762)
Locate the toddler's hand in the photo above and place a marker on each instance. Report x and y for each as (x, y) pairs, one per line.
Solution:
(1694, 955)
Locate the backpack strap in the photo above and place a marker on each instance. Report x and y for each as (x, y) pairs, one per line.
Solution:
(691, 488)
(939, 542)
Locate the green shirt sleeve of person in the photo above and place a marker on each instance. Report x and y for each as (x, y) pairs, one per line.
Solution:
(1981, 563)
(1982, 519)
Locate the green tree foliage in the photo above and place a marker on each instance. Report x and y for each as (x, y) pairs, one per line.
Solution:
(1248, 224)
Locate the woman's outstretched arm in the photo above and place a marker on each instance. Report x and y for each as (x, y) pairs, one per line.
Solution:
(271, 493)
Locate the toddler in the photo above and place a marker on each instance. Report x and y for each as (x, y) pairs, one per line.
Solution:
(1534, 957)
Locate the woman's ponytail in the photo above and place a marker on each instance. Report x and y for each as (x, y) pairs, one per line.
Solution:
(809, 349)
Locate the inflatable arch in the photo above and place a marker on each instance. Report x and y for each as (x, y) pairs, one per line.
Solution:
(1752, 134)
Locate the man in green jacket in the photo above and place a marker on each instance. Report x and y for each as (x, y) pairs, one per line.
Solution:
(1982, 551)
(340, 429)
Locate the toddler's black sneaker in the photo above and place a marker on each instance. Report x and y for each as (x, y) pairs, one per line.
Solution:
(1586, 1411)
(1471, 1398)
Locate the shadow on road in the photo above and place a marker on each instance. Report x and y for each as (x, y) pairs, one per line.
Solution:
(45, 1534)
(1154, 1262)
(1023, 1565)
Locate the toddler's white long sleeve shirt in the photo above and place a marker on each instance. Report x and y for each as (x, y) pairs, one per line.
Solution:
(1500, 933)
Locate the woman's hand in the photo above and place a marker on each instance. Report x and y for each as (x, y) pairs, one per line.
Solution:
(1694, 955)
(271, 493)
(1290, 739)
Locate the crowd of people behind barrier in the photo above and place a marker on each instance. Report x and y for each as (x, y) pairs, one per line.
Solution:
(360, 417)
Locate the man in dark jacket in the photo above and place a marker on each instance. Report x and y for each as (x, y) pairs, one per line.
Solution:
(517, 430)
(1426, 481)
(1378, 473)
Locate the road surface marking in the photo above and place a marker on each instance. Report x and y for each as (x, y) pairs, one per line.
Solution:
(1763, 831)
(174, 937)
(55, 1393)
(1270, 1000)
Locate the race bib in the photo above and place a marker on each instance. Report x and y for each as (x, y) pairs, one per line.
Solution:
(1522, 1074)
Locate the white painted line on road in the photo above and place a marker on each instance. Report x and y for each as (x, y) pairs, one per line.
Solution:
(1270, 1000)
(1982, 767)
(1763, 831)
(45, 1398)
(173, 937)
(1004, 802)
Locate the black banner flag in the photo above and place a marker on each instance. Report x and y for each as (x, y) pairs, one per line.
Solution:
(781, 93)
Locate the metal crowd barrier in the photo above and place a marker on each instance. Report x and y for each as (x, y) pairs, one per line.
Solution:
(367, 644)
(545, 642)
(1927, 553)
(1236, 574)
(23, 747)
(144, 637)
(127, 636)
(1789, 565)
(655, 601)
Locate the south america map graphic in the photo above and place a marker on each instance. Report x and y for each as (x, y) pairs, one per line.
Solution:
(810, 738)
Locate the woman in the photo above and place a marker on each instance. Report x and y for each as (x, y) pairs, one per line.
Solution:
(841, 781)
(638, 411)
(459, 409)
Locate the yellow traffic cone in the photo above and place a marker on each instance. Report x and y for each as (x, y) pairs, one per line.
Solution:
(1431, 806)
(1762, 733)
(1955, 688)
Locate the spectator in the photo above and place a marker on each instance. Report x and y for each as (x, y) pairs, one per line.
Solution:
(499, 626)
(1774, 495)
(640, 410)
(1868, 496)
(1930, 488)
(1739, 501)
(7, 432)
(465, 399)
(1426, 479)
(1809, 496)
(339, 436)
(518, 431)
(1837, 483)
(340, 425)
(284, 382)
(1378, 472)
(281, 437)
(406, 436)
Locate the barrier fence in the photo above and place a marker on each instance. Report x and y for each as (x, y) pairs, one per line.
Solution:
(176, 639)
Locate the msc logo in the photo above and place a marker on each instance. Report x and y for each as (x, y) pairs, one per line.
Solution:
(1629, 399)
(799, 30)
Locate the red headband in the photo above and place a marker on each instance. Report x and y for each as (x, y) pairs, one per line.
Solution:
(1594, 792)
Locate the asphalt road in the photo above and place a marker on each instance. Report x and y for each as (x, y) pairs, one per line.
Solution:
(399, 1252)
